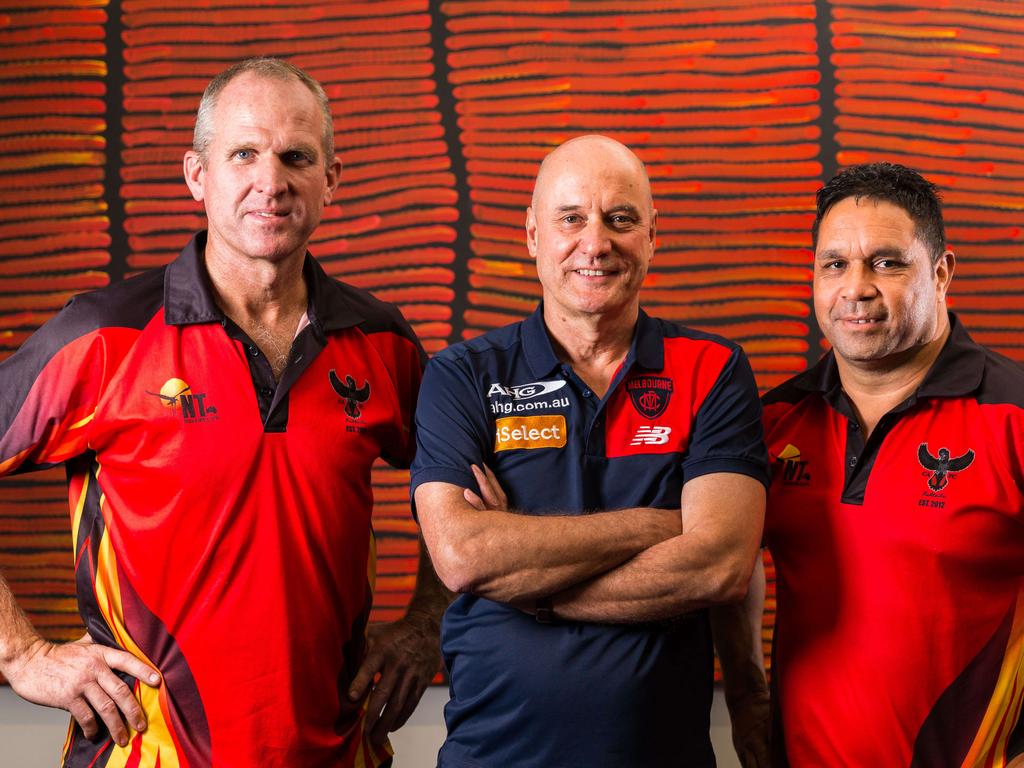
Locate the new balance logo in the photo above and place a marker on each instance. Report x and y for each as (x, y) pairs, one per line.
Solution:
(651, 436)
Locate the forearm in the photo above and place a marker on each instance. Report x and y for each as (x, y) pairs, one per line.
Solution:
(666, 581)
(708, 564)
(509, 557)
(17, 634)
(430, 597)
(737, 632)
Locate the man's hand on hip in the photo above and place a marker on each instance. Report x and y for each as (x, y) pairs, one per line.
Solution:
(79, 677)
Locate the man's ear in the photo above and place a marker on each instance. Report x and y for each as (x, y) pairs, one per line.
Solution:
(944, 268)
(531, 232)
(194, 174)
(333, 179)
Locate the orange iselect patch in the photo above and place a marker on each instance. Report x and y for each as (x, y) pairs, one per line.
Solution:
(529, 432)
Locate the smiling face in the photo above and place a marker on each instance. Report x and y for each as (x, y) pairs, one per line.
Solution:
(265, 181)
(878, 295)
(591, 229)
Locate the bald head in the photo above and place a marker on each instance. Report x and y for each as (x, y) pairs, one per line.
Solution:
(592, 151)
(591, 229)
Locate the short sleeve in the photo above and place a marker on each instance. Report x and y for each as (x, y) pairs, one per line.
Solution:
(452, 432)
(727, 432)
(52, 386)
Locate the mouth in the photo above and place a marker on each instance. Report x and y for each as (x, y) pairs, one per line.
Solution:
(861, 321)
(593, 272)
(269, 215)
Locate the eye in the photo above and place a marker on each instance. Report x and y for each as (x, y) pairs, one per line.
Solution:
(888, 264)
(243, 154)
(297, 157)
(832, 265)
(621, 220)
(572, 218)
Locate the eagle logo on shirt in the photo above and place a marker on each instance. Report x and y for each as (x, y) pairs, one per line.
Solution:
(353, 396)
(942, 465)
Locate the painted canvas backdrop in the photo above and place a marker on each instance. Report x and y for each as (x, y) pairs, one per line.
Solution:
(740, 108)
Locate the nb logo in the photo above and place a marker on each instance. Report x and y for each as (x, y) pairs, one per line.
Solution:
(651, 436)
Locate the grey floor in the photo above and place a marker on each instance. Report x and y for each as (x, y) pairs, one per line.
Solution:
(32, 737)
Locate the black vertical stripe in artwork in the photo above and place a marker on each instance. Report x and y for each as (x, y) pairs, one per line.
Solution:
(449, 121)
(827, 125)
(115, 142)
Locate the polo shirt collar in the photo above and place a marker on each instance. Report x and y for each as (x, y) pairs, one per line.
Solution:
(956, 372)
(188, 294)
(646, 348)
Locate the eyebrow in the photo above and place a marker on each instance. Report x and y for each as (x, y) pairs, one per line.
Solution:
(308, 149)
(833, 253)
(624, 207)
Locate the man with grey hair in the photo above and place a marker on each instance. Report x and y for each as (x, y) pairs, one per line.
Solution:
(219, 418)
(591, 480)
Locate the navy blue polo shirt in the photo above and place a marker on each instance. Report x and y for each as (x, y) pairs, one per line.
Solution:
(682, 405)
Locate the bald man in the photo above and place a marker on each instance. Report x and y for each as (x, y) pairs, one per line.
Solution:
(590, 480)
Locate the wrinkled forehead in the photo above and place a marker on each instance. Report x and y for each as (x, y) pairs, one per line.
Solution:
(860, 219)
(602, 182)
(262, 98)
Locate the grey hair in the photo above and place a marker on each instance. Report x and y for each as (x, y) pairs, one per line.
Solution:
(263, 66)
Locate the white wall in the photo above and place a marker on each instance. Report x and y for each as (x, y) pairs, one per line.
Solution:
(32, 737)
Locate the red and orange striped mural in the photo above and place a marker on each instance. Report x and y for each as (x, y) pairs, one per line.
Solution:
(741, 109)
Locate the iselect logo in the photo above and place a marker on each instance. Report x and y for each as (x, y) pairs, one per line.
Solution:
(528, 432)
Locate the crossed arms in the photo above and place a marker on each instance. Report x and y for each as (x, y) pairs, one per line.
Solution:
(623, 566)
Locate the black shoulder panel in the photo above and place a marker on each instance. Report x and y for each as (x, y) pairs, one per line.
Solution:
(1002, 382)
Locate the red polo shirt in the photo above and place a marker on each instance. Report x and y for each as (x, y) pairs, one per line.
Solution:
(900, 629)
(220, 519)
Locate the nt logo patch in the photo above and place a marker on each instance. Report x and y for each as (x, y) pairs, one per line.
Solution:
(193, 406)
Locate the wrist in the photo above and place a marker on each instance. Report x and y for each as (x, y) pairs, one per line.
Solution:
(15, 651)
(424, 620)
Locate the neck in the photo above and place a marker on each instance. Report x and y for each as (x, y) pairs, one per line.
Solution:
(594, 345)
(876, 387)
(259, 290)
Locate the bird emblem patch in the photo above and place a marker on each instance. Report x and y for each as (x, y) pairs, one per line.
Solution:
(944, 465)
(354, 396)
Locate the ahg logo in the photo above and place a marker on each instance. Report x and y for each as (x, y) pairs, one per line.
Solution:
(526, 391)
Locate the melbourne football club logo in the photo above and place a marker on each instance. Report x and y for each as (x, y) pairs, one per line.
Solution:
(177, 395)
(354, 396)
(650, 394)
(942, 467)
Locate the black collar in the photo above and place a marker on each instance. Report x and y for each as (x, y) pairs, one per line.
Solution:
(647, 348)
(956, 372)
(188, 294)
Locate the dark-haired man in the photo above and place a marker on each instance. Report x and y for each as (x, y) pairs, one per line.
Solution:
(896, 510)
(219, 418)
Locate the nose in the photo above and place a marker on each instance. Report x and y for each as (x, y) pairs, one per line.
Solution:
(270, 176)
(595, 240)
(858, 284)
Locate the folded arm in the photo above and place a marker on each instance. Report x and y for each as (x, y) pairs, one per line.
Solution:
(709, 563)
(510, 557)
